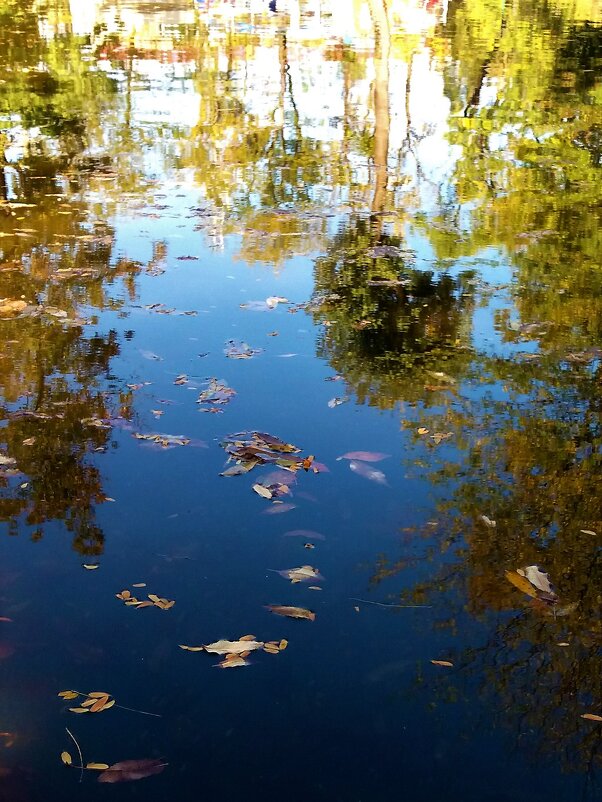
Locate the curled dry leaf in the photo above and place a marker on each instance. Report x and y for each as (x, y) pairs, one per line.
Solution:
(235, 647)
(537, 578)
(306, 573)
(445, 663)
(291, 612)
(128, 770)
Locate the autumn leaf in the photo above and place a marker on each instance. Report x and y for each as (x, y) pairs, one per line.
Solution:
(79, 710)
(232, 661)
(233, 646)
(521, 583)
(97, 766)
(128, 770)
(303, 574)
(291, 612)
(262, 491)
(66, 758)
(591, 717)
(445, 663)
(90, 566)
(537, 578)
(68, 694)
(191, 648)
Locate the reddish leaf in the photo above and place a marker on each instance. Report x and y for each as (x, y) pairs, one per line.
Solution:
(128, 770)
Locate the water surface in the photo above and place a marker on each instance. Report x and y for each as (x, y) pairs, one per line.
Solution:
(427, 203)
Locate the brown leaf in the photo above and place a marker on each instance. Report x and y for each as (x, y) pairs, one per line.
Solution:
(128, 770)
(233, 661)
(68, 695)
(100, 704)
(291, 612)
(591, 717)
(191, 648)
(445, 663)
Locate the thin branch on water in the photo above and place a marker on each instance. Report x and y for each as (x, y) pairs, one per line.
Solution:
(79, 751)
(123, 707)
(382, 604)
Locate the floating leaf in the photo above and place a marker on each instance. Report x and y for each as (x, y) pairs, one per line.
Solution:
(488, 521)
(68, 695)
(262, 491)
(97, 766)
(283, 644)
(233, 646)
(139, 585)
(128, 770)
(521, 583)
(537, 578)
(66, 758)
(291, 612)
(79, 709)
(422, 430)
(445, 663)
(591, 717)
(90, 566)
(365, 456)
(303, 574)
(336, 402)
(192, 648)
(589, 532)
(233, 661)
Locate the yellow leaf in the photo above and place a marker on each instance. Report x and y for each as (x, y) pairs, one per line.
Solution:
(445, 663)
(422, 430)
(591, 717)
(90, 566)
(153, 597)
(282, 645)
(521, 583)
(97, 766)
(98, 694)
(79, 709)
(66, 758)
(68, 694)
(247, 637)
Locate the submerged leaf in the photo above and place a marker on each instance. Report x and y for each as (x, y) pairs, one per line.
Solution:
(128, 770)
(291, 612)
(368, 473)
(364, 456)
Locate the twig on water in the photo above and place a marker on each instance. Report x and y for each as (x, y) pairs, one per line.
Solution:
(79, 751)
(382, 604)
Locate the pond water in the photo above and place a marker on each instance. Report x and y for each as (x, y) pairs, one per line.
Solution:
(351, 235)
